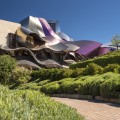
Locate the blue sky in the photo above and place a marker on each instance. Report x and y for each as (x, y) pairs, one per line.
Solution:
(97, 20)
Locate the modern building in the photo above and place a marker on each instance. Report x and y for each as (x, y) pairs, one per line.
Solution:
(37, 43)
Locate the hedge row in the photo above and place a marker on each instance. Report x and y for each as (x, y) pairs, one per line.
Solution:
(103, 61)
(106, 85)
(55, 74)
(58, 74)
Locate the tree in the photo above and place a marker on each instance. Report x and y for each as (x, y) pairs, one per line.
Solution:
(116, 40)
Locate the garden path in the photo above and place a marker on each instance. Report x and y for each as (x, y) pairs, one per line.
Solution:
(93, 110)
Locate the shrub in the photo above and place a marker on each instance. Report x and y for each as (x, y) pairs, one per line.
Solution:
(77, 72)
(80, 64)
(50, 88)
(41, 74)
(52, 74)
(83, 88)
(90, 85)
(67, 73)
(20, 75)
(111, 87)
(108, 75)
(7, 64)
(112, 67)
(94, 85)
(69, 87)
(82, 78)
(41, 83)
(117, 70)
(56, 74)
(30, 86)
(93, 69)
(65, 79)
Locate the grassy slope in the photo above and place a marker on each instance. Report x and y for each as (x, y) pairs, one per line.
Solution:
(32, 105)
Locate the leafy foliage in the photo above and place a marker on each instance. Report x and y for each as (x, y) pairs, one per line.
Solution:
(112, 68)
(116, 40)
(7, 64)
(93, 69)
(111, 87)
(50, 88)
(20, 75)
(32, 105)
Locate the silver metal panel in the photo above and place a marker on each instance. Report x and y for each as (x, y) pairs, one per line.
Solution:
(47, 63)
(27, 63)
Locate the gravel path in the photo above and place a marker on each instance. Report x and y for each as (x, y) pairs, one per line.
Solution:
(93, 110)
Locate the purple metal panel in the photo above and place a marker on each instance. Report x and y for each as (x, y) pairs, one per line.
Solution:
(103, 50)
(46, 31)
(86, 46)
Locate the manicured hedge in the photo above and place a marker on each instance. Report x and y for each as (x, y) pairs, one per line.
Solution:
(69, 87)
(52, 74)
(101, 61)
(58, 74)
(92, 69)
(91, 86)
(50, 88)
(111, 87)
(106, 85)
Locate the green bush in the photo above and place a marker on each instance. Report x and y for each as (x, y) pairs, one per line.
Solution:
(56, 74)
(50, 88)
(69, 87)
(65, 79)
(112, 68)
(29, 86)
(20, 75)
(82, 64)
(41, 74)
(117, 70)
(94, 85)
(93, 69)
(41, 83)
(108, 75)
(65, 87)
(77, 72)
(52, 74)
(67, 73)
(7, 64)
(83, 88)
(90, 86)
(111, 87)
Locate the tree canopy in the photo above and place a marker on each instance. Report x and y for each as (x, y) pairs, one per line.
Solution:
(116, 40)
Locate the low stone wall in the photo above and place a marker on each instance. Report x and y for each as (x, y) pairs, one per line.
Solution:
(87, 97)
(112, 100)
(74, 96)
